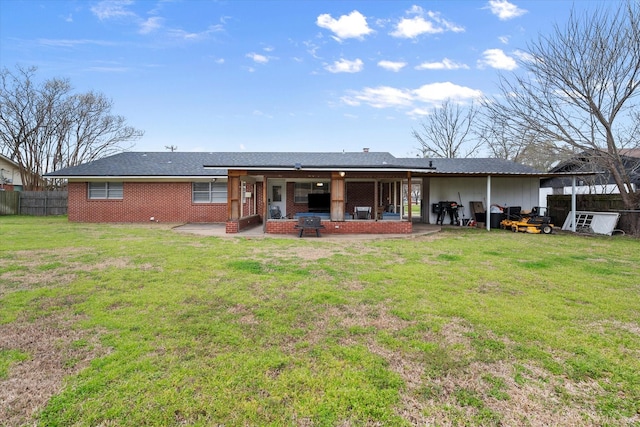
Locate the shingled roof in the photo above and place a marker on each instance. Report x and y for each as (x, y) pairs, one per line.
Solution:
(204, 164)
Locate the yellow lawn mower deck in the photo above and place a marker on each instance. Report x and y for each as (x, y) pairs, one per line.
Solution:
(528, 223)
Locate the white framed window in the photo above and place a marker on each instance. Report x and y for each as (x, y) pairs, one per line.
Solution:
(209, 192)
(105, 190)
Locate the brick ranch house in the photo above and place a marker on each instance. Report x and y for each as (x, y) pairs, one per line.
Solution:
(273, 189)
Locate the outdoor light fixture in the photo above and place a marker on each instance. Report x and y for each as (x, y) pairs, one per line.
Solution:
(342, 174)
(214, 179)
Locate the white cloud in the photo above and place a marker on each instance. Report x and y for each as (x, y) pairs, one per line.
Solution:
(256, 57)
(448, 26)
(435, 93)
(523, 56)
(259, 113)
(445, 64)
(504, 39)
(496, 58)
(415, 101)
(411, 28)
(345, 66)
(421, 23)
(118, 9)
(185, 35)
(112, 9)
(74, 42)
(419, 112)
(392, 66)
(379, 97)
(353, 25)
(505, 10)
(150, 25)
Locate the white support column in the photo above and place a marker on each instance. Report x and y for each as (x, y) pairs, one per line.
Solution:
(573, 203)
(488, 214)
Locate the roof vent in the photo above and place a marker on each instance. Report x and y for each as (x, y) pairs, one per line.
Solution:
(365, 150)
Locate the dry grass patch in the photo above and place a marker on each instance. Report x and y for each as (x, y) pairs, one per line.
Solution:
(55, 350)
(536, 399)
(43, 268)
(367, 316)
(307, 253)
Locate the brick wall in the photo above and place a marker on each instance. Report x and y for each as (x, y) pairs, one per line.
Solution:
(359, 194)
(165, 202)
(344, 227)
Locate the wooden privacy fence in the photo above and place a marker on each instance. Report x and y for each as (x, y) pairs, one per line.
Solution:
(559, 207)
(9, 202)
(37, 203)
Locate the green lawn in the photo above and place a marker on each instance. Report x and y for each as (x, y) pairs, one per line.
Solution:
(130, 325)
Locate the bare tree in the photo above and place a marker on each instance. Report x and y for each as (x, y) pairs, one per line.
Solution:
(447, 131)
(525, 146)
(579, 88)
(45, 127)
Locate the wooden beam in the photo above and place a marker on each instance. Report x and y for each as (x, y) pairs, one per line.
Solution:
(337, 196)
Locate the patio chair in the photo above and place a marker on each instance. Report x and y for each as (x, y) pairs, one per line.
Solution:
(362, 212)
(275, 212)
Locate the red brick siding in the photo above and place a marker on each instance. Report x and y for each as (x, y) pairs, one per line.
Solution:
(344, 227)
(359, 194)
(166, 202)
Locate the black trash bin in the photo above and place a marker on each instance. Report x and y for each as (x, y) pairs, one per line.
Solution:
(495, 219)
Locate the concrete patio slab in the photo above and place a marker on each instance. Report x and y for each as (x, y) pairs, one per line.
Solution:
(219, 230)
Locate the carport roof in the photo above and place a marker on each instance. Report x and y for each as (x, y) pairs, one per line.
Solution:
(217, 164)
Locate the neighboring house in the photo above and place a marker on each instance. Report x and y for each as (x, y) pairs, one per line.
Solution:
(594, 181)
(9, 175)
(274, 189)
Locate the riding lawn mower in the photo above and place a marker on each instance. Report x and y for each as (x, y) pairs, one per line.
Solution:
(531, 222)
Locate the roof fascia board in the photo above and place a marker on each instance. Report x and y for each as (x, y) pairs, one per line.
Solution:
(432, 173)
(8, 160)
(137, 177)
(320, 169)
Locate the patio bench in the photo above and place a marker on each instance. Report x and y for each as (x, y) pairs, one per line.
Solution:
(309, 223)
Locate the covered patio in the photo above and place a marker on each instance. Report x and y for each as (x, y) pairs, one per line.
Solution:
(347, 202)
(366, 193)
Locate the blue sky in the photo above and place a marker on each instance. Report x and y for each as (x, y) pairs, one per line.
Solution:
(241, 75)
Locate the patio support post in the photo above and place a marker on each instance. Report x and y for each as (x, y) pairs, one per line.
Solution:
(375, 200)
(573, 203)
(409, 195)
(337, 196)
(265, 203)
(233, 195)
(488, 213)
